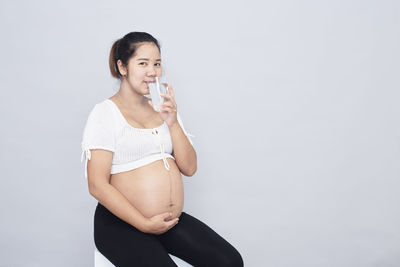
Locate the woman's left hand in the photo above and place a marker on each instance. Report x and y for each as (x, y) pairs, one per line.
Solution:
(168, 109)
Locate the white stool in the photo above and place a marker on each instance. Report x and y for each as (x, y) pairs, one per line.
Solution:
(101, 261)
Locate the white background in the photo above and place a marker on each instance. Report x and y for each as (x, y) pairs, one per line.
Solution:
(294, 105)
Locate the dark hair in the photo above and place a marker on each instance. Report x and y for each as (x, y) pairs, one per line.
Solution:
(126, 47)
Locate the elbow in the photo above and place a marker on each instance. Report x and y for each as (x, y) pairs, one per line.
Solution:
(193, 168)
(96, 189)
(188, 167)
(93, 191)
(191, 172)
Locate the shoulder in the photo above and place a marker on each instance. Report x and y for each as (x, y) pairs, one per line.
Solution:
(99, 130)
(101, 114)
(101, 110)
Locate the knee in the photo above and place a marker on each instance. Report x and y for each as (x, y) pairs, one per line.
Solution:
(233, 259)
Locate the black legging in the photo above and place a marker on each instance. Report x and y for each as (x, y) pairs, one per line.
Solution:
(191, 240)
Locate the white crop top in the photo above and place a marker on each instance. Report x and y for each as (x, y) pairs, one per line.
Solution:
(106, 128)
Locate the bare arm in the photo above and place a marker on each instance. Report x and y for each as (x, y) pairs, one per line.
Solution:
(117, 204)
(184, 153)
(100, 188)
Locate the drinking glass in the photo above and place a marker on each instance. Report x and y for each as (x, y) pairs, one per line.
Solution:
(156, 89)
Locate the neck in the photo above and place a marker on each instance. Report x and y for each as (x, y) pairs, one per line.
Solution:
(130, 99)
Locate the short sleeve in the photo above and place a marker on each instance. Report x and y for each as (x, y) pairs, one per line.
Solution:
(99, 132)
(189, 136)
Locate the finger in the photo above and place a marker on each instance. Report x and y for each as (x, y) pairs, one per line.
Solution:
(176, 222)
(173, 222)
(167, 96)
(167, 104)
(166, 214)
(168, 109)
(150, 103)
(171, 90)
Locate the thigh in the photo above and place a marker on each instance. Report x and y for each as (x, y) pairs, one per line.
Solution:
(124, 245)
(198, 244)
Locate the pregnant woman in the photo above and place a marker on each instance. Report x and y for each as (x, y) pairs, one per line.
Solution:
(134, 160)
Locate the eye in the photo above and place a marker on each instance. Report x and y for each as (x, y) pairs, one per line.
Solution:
(158, 64)
(141, 63)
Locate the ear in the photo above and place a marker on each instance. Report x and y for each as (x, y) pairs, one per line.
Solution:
(121, 68)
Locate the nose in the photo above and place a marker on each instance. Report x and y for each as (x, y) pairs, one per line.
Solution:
(151, 71)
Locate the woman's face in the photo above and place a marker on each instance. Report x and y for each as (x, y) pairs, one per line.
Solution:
(143, 67)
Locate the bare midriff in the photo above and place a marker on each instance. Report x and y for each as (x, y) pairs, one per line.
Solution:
(152, 189)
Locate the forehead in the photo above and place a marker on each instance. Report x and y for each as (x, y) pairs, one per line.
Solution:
(147, 50)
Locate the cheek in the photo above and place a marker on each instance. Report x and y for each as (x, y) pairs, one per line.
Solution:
(137, 75)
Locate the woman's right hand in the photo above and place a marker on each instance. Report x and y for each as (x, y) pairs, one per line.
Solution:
(159, 224)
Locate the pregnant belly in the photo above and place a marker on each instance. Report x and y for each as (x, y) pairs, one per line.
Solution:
(152, 189)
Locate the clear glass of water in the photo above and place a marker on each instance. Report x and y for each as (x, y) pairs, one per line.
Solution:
(156, 89)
